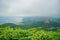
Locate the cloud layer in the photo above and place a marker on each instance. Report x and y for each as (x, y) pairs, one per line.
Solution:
(29, 8)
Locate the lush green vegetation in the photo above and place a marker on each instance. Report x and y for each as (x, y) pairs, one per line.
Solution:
(7, 33)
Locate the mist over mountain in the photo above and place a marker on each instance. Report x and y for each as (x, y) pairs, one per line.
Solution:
(10, 20)
(29, 19)
(26, 19)
(38, 18)
(30, 22)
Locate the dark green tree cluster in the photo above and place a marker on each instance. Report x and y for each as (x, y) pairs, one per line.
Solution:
(8, 33)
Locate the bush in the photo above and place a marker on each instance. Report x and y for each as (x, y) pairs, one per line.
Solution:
(8, 33)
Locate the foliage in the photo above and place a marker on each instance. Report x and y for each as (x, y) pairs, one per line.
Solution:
(7, 33)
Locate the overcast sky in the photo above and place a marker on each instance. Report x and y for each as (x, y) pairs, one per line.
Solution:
(29, 8)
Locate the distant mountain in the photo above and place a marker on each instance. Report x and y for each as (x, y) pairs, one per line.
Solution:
(29, 22)
(9, 24)
(26, 19)
(44, 22)
(37, 19)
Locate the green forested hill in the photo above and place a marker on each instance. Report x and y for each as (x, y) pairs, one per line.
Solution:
(35, 22)
(45, 24)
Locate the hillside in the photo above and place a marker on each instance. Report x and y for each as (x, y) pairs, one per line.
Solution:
(36, 22)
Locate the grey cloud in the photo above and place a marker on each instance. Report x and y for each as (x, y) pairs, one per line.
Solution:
(30, 8)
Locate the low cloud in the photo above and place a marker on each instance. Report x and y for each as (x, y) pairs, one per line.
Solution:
(29, 8)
